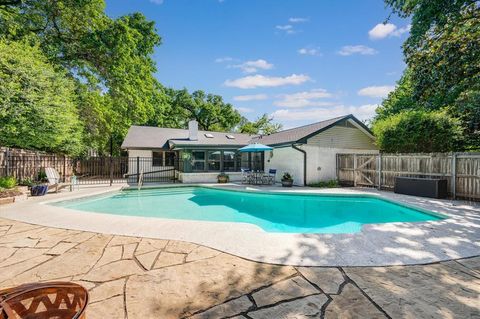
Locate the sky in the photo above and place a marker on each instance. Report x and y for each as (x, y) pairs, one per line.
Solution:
(300, 61)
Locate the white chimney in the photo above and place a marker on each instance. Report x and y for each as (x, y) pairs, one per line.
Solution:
(193, 130)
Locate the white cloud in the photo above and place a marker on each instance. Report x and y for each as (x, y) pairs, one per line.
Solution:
(362, 112)
(253, 97)
(303, 99)
(357, 49)
(383, 30)
(298, 20)
(287, 28)
(244, 109)
(253, 66)
(156, 1)
(255, 81)
(223, 59)
(376, 91)
(284, 27)
(309, 51)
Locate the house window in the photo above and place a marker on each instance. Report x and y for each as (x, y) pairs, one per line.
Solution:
(157, 158)
(198, 161)
(214, 158)
(169, 158)
(229, 161)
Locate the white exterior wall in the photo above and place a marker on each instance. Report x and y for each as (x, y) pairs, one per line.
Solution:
(192, 178)
(322, 161)
(285, 159)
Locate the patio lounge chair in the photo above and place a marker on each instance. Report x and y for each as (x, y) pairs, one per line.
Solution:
(53, 178)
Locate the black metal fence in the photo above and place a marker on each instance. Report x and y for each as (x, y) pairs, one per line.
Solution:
(30, 166)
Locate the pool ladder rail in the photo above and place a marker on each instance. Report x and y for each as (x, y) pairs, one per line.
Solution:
(140, 180)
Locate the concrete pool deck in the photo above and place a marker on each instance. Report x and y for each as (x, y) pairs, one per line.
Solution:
(133, 277)
(456, 237)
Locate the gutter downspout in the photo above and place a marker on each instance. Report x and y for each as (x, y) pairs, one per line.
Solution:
(304, 162)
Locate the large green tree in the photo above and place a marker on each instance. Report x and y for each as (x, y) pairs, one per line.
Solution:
(37, 105)
(209, 110)
(109, 58)
(262, 125)
(443, 64)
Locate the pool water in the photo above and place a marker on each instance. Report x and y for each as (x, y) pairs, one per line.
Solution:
(284, 213)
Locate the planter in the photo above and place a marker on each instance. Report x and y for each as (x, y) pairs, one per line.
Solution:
(222, 179)
(39, 190)
(287, 183)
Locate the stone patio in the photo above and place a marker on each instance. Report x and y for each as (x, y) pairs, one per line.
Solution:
(131, 277)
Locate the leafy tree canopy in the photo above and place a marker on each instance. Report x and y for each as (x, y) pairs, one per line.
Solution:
(443, 65)
(38, 102)
(209, 110)
(418, 131)
(262, 125)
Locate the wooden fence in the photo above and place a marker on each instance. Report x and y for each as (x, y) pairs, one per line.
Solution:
(461, 170)
(26, 164)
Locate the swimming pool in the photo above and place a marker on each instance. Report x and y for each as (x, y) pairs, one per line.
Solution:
(273, 212)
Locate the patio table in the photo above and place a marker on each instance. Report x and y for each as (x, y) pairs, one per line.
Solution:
(256, 177)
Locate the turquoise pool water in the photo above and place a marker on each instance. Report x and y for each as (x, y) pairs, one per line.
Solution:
(272, 212)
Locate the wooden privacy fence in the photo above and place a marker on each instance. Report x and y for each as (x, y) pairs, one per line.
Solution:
(461, 170)
(26, 164)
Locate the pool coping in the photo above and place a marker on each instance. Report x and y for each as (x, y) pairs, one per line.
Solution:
(400, 243)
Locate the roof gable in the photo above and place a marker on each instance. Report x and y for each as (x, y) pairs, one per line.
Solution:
(302, 133)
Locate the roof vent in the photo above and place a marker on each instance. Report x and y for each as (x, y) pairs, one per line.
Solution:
(208, 135)
(230, 137)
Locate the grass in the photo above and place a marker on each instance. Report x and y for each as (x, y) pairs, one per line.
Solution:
(326, 184)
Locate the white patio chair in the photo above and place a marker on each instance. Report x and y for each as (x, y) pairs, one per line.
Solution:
(53, 178)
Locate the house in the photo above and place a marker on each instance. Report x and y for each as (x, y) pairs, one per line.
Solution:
(307, 152)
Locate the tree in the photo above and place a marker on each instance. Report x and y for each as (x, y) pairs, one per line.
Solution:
(262, 125)
(418, 131)
(209, 110)
(427, 15)
(443, 64)
(37, 105)
(109, 58)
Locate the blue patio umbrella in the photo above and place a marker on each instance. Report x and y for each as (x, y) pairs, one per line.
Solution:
(255, 148)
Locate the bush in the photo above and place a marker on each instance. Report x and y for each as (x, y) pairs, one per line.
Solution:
(418, 131)
(287, 177)
(8, 182)
(326, 184)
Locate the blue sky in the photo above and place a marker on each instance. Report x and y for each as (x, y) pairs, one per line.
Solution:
(300, 61)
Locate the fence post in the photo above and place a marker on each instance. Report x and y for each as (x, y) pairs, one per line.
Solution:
(64, 168)
(7, 162)
(138, 169)
(354, 170)
(454, 175)
(379, 171)
(111, 170)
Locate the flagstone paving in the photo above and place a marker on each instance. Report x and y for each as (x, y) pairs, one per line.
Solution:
(130, 277)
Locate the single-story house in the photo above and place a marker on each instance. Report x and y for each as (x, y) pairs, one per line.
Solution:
(307, 152)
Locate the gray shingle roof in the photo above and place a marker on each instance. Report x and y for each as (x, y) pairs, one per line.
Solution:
(145, 137)
(297, 133)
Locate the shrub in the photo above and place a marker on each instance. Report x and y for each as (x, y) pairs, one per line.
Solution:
(287, 177)
(8, 182)
(326, 184)
(418, 131)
